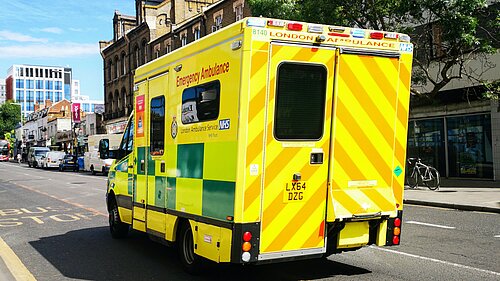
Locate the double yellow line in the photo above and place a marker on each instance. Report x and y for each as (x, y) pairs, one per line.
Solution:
(14, 264)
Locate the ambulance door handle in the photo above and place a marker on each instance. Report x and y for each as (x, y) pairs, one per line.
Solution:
(142, 165)
(316, 158)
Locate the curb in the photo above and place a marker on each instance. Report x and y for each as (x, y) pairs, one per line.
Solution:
(453, 206)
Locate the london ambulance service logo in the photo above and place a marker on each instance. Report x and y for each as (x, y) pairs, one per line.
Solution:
(173, 127)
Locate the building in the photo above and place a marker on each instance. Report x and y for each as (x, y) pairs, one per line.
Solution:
(2, 91)
(87, 105)
(157, 28)
(32, 84)
(458, 131)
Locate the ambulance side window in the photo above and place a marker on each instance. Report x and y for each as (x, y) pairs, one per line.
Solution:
(201, 103)
(157, 133)
(300, 101)
(127, 143)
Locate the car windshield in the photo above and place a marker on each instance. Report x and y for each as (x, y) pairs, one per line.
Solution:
(40, 152)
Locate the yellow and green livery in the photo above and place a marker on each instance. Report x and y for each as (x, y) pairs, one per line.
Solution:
(266, 141)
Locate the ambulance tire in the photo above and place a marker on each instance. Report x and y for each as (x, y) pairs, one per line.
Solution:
(92, 170)
(190, 261)
(117, 228)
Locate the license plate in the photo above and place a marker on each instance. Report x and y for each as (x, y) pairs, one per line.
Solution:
(71, 162)
(295, 191)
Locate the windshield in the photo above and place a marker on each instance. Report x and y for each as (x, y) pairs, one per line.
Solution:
(40, 152)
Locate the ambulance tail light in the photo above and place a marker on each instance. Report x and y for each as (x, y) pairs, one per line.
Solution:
(394, 230)
(376, 35)
(295, 26)
(276, 23)
(246, 246)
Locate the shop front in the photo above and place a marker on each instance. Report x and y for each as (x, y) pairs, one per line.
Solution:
(458, 146)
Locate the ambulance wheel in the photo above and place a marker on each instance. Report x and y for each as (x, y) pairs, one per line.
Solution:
(116, 226)
(190, 261)
(92, 170)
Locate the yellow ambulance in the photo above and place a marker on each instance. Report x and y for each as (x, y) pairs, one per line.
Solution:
(267, 141)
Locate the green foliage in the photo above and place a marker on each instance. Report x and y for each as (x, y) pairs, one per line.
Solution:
(449, 32)
(10, 116)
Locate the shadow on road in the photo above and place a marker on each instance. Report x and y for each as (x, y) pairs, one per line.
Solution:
(91, 254)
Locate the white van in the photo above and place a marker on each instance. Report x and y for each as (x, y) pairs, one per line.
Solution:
(52, 159)
(35, 155)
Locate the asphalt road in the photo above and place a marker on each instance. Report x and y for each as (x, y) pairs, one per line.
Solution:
(56, 224)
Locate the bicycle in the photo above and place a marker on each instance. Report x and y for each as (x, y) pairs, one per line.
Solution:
(425, 174)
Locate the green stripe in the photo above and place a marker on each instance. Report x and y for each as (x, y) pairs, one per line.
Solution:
(218, 199)
(190, 160)
(141, 154)
(160, 184)
(171, 190)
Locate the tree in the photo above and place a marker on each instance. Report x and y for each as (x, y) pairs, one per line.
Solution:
(448, 34)
(10, 116)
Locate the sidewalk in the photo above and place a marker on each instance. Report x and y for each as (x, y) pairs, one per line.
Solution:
(467, 195)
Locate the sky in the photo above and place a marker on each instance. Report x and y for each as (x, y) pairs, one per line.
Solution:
(59, 33)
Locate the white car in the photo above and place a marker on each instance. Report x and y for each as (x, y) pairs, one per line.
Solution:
(52, 159)
(95, 164)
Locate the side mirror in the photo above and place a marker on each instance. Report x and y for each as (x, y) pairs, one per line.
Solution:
(104, 148)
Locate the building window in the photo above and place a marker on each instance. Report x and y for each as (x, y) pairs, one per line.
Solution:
(157, 48)
(299, 116)
(49, 95)
(30, 84)
(217, 21)
(197, 33)
(20, 83)
(30, 96)
(137, 57)
(58, 96)
(238, 9)
(39, 97)
(201, 103)
(117, 68)
(58, 85)
(49, 85)
(168, 48)
(183, 40)
(39, 84)
(157, 134)
(124, 68)
(110, 70)
(19, 95)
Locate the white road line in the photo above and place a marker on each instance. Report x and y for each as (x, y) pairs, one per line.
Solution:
(438, 261)
(497, 236)
(430, 224)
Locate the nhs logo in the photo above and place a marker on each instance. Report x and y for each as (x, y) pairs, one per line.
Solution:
(224, 124)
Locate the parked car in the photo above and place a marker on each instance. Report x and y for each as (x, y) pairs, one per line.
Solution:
(35, 154)
(69, 162)
(52, 159)
(95, 164)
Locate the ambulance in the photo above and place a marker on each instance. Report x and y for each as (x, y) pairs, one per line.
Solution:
(267, 141)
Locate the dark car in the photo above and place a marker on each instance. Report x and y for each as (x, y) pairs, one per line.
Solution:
(69, 162)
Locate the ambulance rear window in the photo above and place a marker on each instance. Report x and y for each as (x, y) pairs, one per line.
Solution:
(300, 101)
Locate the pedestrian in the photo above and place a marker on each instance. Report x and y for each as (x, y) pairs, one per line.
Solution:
(19, 158)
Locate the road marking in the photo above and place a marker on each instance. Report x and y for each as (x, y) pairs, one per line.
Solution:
(438, 261)
(13, 263)
(430, 224)
(497, 236)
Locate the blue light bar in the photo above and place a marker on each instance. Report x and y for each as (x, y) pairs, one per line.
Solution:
(257, 22)
(358, 33)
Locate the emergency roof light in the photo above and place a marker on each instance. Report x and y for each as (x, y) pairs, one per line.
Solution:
(358, 33)
(404, 38)
(339, 34)
(315, 28)
(256, 22)
(391, 35)
(276, 23)
(376, 35)
(295, 26)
